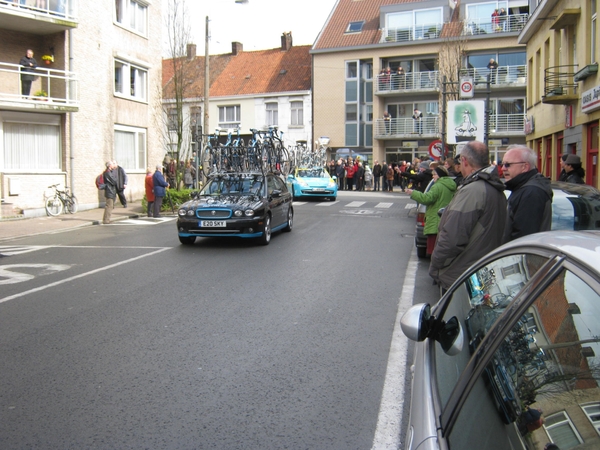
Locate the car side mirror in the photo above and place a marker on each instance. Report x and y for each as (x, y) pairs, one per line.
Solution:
(276, 193)
(334, 177)
(418, 324)
(290, 177)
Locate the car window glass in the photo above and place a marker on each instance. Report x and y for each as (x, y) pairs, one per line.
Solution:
(271, 186)
(542, 383)
(478, 302)
(279, 184)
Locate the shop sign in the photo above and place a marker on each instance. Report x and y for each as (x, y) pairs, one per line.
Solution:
(590, 100)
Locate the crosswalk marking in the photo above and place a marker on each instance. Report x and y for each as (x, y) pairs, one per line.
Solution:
(12, 250)
(327, 203)
(383, 205)
(355, 204)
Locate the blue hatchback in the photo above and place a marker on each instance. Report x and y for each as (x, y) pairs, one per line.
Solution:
(312, 182)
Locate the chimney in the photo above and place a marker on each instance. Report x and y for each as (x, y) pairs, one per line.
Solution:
(191, 51)
(236, 48)
(286, 41)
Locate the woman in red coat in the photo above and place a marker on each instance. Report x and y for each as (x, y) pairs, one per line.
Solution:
(350, 169)
(149, 191)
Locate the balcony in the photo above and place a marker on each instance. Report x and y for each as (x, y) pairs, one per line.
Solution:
(501, 125)
(412, 81)
(51, 16)
(560, 87)
(53, 91)
(407, 127)
(504, 76)
(416, 33)
(587, 71)
(512, 23)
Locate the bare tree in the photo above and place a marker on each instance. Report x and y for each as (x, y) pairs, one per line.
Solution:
(176, 124)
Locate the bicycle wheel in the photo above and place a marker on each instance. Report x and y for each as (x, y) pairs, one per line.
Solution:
(54, 205)
(71, 204)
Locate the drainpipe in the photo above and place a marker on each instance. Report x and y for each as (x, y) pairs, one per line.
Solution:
(71, 116)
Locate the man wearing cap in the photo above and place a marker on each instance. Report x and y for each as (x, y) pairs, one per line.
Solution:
(530, 201)
(574, 171)
(420, 179)
(473, 222)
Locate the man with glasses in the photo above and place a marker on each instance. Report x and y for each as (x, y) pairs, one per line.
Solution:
(472, 224)
(530, 201)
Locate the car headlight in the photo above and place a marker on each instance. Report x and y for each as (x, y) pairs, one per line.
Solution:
(302, 183)
(182, 212)
(331, 184)
(249, 212)
(238, 213)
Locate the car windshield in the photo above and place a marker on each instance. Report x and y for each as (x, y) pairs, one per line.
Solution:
(313, 173)
(233, 185)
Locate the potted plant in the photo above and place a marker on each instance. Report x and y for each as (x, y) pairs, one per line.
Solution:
(48, 59)
(42, 94)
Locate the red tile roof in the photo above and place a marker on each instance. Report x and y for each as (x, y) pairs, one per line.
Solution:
(334, 33)
(265, 71)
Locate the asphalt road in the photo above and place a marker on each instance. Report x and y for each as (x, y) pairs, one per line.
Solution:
(119, 337)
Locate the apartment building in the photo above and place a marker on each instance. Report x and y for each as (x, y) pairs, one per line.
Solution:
(435, 44)
(248, 90)
(95, 96)
(563, 95)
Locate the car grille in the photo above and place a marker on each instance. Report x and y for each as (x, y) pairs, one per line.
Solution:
(208, 214)
(312, 191)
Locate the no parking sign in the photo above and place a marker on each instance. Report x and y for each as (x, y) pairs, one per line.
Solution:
(435, 150)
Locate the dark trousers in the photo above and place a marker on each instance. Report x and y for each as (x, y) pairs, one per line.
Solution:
(25, 87)
(385, 183)
(122, 197)
(150, 209)
(157, 205)
(377, 184)
(341, 182)
(349, 183)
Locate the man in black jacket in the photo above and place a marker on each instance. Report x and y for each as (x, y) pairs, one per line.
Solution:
(530, 201)
(420, 179)
(110, 192)
(28, 67)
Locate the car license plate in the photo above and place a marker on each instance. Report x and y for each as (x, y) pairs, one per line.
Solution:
(212, 223)
(318, 189)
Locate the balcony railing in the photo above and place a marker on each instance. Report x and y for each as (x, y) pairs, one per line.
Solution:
(501, 76)
(418, 32)
(409, 81)
(559, 84)
(500, 124)
(407, 127)
(511, 23)
(63, 9)
(57, 87)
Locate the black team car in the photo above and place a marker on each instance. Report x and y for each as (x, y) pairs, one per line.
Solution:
(243, 205)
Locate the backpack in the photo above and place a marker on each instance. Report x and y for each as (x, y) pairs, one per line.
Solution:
(100, 181)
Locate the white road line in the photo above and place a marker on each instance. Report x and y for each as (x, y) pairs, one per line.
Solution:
(91, 272)
(389, 421)
(355, 204)
(383, 205)
(410, 206)
(12, 250)
(295, 203)
(327, 203)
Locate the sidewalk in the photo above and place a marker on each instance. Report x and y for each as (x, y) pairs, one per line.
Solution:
(21, 227)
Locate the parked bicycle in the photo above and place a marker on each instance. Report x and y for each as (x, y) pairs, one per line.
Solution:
(61, 200)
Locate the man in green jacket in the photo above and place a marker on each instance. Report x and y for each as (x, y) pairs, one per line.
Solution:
(438, 196)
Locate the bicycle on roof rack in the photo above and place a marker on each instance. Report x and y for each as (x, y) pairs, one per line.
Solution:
(61, 200)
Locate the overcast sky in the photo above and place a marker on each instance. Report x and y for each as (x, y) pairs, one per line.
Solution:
(257, 24)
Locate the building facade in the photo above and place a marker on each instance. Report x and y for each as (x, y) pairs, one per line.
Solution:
(563, 96)
(95, 96)
(404, 59)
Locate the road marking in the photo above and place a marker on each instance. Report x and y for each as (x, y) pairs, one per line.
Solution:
(295, 203)
(383, 205)
(327, 203)
(13, 277)
(410, 206)
(389, 421)
(12, 250)
(355, 204)
(75, 277)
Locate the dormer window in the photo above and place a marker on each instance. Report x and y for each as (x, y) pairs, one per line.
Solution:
(355, 27)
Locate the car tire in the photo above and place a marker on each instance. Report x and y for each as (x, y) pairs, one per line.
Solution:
(332, 199)
(187, 240)
(266, 236)
(290, 220)
(422, 252)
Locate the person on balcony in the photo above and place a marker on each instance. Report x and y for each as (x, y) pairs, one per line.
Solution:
(387, 119)
(28, 67)
(401, 76)
(502, 16)
(495, 21)
(493, 66)
(418, 118)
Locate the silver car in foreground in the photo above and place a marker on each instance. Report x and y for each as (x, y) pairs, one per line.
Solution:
(509, 358)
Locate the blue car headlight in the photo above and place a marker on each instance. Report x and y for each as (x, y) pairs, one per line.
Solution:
(331, 184)
(302, 183)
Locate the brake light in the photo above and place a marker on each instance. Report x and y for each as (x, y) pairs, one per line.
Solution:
(421, 218)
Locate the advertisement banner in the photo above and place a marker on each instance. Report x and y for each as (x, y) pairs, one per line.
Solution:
(466, 121)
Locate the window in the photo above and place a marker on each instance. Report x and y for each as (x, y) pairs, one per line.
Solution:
(130, 81)
(594, 31)
(592, 411)
(31, 146)
(297, 113)
(272, 114)
(355, 27)
(172, 119)
(130, 147)
(561, 430)
(351, 112)
(132, 14)
(418, 24)
(351, 69)
(229, 116)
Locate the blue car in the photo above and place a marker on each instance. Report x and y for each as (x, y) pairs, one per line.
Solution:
(312, 182)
